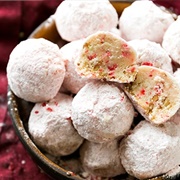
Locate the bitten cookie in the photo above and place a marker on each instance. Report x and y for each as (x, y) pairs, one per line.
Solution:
(107, 56)
(155, 94)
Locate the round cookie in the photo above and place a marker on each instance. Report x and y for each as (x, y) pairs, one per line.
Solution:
(151, 54)
(35, 70)
(101, 112)
(151, 150)
(51, 128)
(171, 41)
(78, 19)
(101, 159)
(144, 20)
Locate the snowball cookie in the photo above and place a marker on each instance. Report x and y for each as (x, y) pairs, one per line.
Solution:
(51, 128)
(155, 94)
(35, 70)
(73, 82)
(101, 159)
(171, 41)
(151, 54)
(101, 112)
(144, 20)
(107, 56)
(78, 19)
(151, 150)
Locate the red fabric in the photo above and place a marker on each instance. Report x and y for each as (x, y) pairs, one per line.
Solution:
(17, 17)
(173, 5)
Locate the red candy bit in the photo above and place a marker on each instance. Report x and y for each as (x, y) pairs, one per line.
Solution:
(43, 104)
(108, 53)
(101, 69)
(132, 69)
(124, 45)
(142, 92)
(158, 89)
(107, 61)
(147, 63)
(106, 56)
(111, 73)
(125, 53)
(151, 73)
(147, 102)
(36, 112)
(90, 57)
(49, 109)
(56, 103)
(122, 98)
(112, 67)
(93, 75)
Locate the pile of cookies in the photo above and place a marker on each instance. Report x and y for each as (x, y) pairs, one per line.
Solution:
(87, 94)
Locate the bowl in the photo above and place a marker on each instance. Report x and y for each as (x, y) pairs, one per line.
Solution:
(20, 110)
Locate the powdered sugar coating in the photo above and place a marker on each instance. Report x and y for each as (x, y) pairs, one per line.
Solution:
(73, 82)
(101, 112)
(78, 19)
(171, 41)
(51, 127)
(152, 54)
(35, 70)
(101, 159)
(144, 20)
(151, 150)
